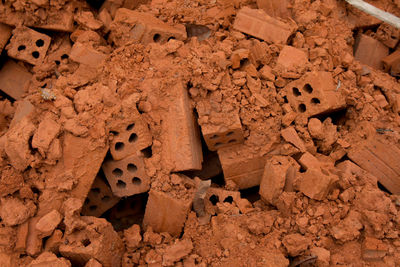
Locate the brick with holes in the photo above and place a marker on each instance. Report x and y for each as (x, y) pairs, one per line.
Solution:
(130, 138)
(314, 94)
(28, 45)
(142, 28)
(216, 196)
(100, 199)
(128, 176)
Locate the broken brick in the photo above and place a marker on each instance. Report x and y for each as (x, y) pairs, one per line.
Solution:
(275, 8)
(296, 244)
(48, 130)
(49, 259)
(388, 35)
(14, 79)
(132, 237)
(54, 241)
(370, 51)
(257, 23)
(93, 263)
(14, 211)
(391, 63)
(46, 225)
(290, 135)
(291, 60)
(215, 196)
(373, 249)
(128, 176)
(28, 45)
(5, 34)
(87, 55)
(22, 236)
(316, 183)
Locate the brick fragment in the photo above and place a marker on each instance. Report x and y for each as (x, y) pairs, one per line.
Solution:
(54, 241)
(316, 183)
(28, 45)
(87, 55)
(370, 51)
(314, 94)
(391, 63)
(165, 213)
(5, 34)
(14, 79)
(132, 237)
(46, 225)
(388, 35)
(373, 249)
(100, 199)
(33, 242)
(275, 8)
(215, 196)
(257, 23)
(22, 235)
(143, 28)
(93, 263)
(290, 135)
(49, 259)
(241, 166)
(291, 60)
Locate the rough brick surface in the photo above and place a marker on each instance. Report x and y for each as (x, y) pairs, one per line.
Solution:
(316, 183)
(314, 93)
(14, 79)
(87, 55)
(46, 225)
(5, 34)
(241, 167)
(257, 23)
(391, 63)
(100, 199)
(290, 135)
(49, 259)
(144, 28)
(165, 213)
(28, 45)
(373, 249)
(128, 176)
(275, 8)
(370, 51)
(388, 35)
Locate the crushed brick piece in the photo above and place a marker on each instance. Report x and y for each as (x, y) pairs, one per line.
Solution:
(316, 183)
(370, 51)
(373, 249)
(49, 259)
(296, 244)
(5, 34)
(48, 223)
(14, 79)
(290, 135)
(275, 8)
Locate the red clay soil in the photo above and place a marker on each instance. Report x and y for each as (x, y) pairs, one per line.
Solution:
(198, 133)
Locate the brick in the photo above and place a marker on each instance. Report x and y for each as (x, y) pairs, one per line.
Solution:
(97, 240)
(112, 6)
(143, 28)
(49, 259)
(380, 160)
(87, 55)
(22, 235)
(181, 136)
(28, 45)
(316, 183)
(24, 109)
(219, 195)
(275, 8)
(388, 35)
(291, 60)
(165, 213)
(373, 249)
(100, 199)
(5, 34)
(128, 176)
(93, 263)
(308, 161)
(370, 51)
(14, 79)
(54, 241)
(224, 134)
(391, 63)
(132, 237)
(314, 94)
(241, 166)
(46, 225)
(290, 135)
(274, 177)
(132, 207)
(130, 138)
(257, 23)
(33, 241)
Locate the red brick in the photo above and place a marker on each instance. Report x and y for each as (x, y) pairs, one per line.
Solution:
(54, 241)
(144, 28)
(100, 199)
(14, 79)
(22, 235)
(370, 51)
(28, 45)
(391, 63)
(241, 166)
(316, 183)
(130, 139)
(257, 23)
(33, 241)
(5, 34)
(87, 55)
(165, 213)
(128, 176)
(290, 135)
(93, 263)
(275, 8)
(46, 225)
(219, 195)
(380, 160)
(314, 94)
(291, 60)
(49, 259)
(388, 35)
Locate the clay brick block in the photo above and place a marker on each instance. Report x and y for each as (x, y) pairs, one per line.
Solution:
(128, 176)
(380, 160)
(370, 51)
(274, 177)
(257, 23)
(14, 79)
(388, 35)
(241, 167)
(275, 8)
(28, 45)
(87, 55)
(181, 136)
(97, 240)
(100, 199)
(165, 213)
(143, 28)
(223, 135)
(314, 94)
(373, 249)
(215, 196)
(316, 183)
(391, 63)
(130, 139)
(5, 34)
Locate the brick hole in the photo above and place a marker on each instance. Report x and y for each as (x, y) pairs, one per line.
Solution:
(64, 56)
(132, 167)
(21, 47)
(57, 62)
(147, 152)
(229, 133)
(95, 190)
(121, 184)
(39, 43)
(35, 54)
(119, 146)
(215, 136)
(214, 199)
(133, 138)
(105, 199)
(232, 141)
(130, 126)
(302, 108)
(92, 208)
(315, 101)
(171, 38)
(228, 199)
(307, 87)
(296, 91)
(156, 37)
(218, 144)
(117, 172)
(136, 181)
(114, 133)
(86, 242)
